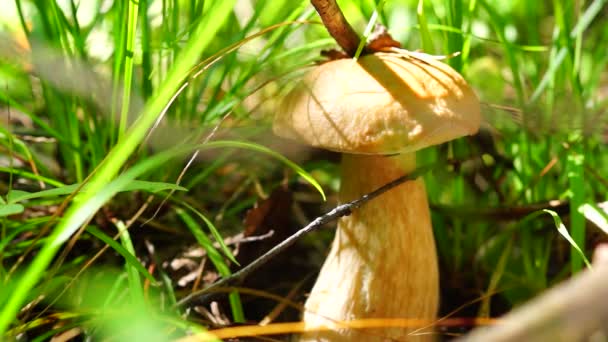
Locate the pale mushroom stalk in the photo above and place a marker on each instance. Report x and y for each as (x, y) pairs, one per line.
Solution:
(374, 269)
(378, 111)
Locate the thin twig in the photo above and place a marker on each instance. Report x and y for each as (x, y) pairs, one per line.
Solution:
(337, 25)
(334, 214)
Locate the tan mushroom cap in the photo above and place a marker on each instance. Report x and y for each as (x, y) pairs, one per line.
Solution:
(381, 104)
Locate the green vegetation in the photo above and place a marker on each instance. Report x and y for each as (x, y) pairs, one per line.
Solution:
(134, 132)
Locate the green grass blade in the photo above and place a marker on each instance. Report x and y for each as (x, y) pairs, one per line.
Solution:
(129, 257)
(454, 41)
(132, 13)
(146, 57)
(425, 34)
(497, 274)
(153, 187)
(559, 225)
(368, 29)
(576, 182)
(215, 232)
(498, 23)
(120, 42)
(259, 148)
(135, 285)
(466, 44)
(216, 259)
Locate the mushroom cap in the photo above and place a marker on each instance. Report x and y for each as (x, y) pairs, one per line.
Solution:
(383, 103)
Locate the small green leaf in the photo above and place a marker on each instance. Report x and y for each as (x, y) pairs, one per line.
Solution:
(596, 215)
(564, 232)
(10, 209)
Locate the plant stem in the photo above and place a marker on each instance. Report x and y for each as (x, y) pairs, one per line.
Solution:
(337, 25)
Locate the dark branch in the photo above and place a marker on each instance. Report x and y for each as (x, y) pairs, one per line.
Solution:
(336, 24)
(339, 211)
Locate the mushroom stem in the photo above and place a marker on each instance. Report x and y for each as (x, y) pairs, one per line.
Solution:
(382, 263)
(337, 25)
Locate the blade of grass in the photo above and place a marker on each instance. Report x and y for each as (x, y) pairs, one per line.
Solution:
(146, 57)
(454, 41)
(498, 23)
(128, 255)
(576, 186)
(215, 232)
(131, 28)
(425, 34)
(216, 259)
(584, 21)
(520, 47)
(484, 309)
(22, 109)
(368, 29)
(135, 285)
(120, 41)
(75, 30)
(153, 187)
(58, 32)
(254, 147)
(596, 215)
(563, 19)
(114, 291)
(466, 44)
(564, 232)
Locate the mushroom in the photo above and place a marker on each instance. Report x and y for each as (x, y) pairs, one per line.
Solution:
(378, 110)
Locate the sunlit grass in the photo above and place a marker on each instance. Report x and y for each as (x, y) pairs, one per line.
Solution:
(102, 107)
